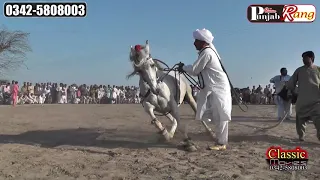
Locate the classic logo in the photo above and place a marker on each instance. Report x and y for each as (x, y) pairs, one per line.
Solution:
(277, 13)
(287, 159)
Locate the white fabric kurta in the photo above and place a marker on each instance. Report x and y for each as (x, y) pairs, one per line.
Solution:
(42, 98)
(214, 102)
(284, 107)
(279, 81)
(115, 95)
(100, 93)
(217, 91)
(64, 99)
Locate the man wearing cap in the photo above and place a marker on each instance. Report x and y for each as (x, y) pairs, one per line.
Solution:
(279, 82)
(215, 95)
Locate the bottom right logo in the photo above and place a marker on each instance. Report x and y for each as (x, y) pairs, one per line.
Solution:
(280, 159)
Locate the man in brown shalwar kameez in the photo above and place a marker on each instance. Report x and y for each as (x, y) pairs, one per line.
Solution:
(308, 103)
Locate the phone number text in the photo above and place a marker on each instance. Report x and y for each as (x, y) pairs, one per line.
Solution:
(45, 9)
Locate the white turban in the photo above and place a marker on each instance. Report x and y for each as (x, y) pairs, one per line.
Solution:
(206, 36)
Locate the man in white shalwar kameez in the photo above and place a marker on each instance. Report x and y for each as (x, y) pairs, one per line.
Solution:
(114, 95)
(64, 99)
(284, 107)
(42, 96)
(215, 97)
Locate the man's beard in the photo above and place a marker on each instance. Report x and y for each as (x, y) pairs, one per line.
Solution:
(307, 63)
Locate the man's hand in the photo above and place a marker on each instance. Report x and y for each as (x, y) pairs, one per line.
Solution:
(180, 67)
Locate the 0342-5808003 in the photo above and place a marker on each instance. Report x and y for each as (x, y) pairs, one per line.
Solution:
(45, 9)
(287, 168)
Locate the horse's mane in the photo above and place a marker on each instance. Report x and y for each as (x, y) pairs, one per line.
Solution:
(134, 68)
(132, 74)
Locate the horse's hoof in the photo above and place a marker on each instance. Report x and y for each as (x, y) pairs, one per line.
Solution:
(162, 139)
(166, 135)
(191, 148)
(171, 135)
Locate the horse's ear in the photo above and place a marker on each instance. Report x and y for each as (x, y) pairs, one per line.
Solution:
(131, 52)
(147, 47)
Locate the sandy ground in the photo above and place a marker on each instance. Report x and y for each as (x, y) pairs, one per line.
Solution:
(118, 142)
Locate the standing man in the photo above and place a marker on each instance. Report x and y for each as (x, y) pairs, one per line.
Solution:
(270, 97)
(15, 92)
(115, 94)
(279, 82)
(108, 91)
(308, 102)
(266, 93)
(215, 97)
(64, 94)
(259, 94)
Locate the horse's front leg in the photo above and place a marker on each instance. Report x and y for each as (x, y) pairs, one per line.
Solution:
(174, 124)
(188, 144)
(162, 130)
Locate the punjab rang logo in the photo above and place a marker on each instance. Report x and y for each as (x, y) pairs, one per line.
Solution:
(267, 13)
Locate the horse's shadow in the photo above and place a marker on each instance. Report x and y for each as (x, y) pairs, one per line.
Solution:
(114, 138)
(104, 138)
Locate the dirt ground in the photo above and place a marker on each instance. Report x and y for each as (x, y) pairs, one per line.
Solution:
(118, 142)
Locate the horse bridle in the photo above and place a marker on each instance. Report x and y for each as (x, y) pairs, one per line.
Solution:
(143, 79)
(160, 79)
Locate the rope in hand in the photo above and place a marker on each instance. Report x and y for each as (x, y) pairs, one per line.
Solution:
(167, 69)
(197, 83)
(176, 69)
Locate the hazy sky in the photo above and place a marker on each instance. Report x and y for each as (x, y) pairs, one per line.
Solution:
(95, 49)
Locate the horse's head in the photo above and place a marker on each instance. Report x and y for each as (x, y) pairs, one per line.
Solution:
(144, 65)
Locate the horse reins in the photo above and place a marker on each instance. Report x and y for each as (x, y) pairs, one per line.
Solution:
(175, 70)
(198, 85)
(192, 81)
(160, 79)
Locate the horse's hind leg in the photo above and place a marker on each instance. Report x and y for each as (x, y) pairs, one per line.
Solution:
(182, 95)
(193, 105)
(162, 130)
(191, 100)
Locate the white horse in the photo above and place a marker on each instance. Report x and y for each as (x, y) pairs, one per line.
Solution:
(159, 91)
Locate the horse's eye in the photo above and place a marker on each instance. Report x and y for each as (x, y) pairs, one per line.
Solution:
(153, 65)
